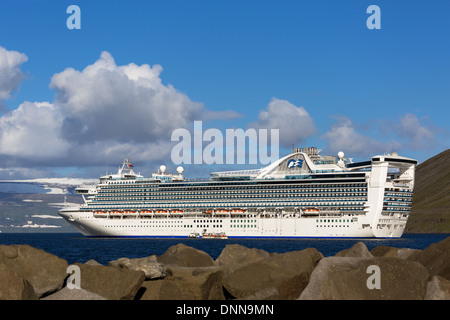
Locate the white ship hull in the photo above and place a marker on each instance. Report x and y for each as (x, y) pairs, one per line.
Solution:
(239, 227)
(302, 195)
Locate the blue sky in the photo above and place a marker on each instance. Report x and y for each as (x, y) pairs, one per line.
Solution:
(319, 74)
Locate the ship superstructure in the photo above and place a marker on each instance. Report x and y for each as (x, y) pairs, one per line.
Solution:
(303, 194)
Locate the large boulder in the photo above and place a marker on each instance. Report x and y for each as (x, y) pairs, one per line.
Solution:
(186, 283)
(185, 256)
(45, 272)
(109, 282)
(149, 265)
(235, 256)
(436, 258)
(348, 278)
(278, 276)
(13, 287)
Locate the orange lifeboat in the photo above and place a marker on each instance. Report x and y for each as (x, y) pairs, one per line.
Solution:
(311, 211)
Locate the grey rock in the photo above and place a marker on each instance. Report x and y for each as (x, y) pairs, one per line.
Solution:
(404, 253)
(438, 289)
(347, 278)
(149, 265)
(73, 294)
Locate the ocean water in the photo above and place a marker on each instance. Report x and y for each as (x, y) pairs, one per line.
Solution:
(74, 247)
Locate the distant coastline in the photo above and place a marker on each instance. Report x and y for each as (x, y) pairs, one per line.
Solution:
(31, 200)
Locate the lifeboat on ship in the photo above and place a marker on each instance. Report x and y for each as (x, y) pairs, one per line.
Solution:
(100, 213)
(129, 213)
(311, 212)
(161, 211)
(115, 213)
(237, 211)
(145, 212)
(176, 211)
(222, 211)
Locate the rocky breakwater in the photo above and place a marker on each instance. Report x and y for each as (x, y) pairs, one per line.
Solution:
(185, 273)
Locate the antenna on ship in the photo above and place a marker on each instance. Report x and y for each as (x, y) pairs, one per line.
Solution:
(126, 165)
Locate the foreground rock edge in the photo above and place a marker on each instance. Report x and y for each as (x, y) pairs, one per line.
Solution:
(186, 273)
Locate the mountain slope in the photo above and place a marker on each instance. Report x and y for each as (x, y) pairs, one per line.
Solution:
(431, 201)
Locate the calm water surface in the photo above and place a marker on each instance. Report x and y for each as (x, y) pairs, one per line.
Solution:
(75, 247)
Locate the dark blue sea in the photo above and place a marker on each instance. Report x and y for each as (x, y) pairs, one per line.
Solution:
(74, 247)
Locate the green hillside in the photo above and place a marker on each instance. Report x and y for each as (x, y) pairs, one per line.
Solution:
(431, 201)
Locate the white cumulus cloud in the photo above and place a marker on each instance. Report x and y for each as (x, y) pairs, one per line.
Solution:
(32, 131)
(102, 113)
(343, 136)
(124, 103)
(10, 74)
(294, 123)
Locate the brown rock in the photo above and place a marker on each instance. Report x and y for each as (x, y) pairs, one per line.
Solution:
(358, 250)
(45, 272)
(436, 258)
(111, 283)
(186, 283)
(185, 256)
(346, 278)
(384, 251)
(235, 256)
(284, 276)
(13, 287)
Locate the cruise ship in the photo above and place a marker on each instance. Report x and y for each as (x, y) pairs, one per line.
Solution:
(303, 194)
